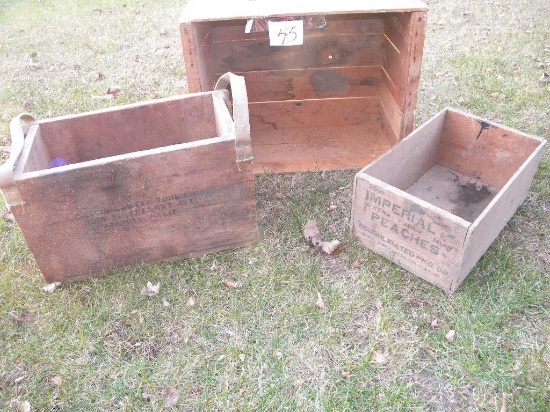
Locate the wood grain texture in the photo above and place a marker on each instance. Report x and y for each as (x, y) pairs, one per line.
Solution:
(130, 128)
(207, 10)
(317, 52)
(303, 84)
(318, 148)
(483, 150)
(160, 203)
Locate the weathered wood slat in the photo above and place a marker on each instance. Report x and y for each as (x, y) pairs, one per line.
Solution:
(317, 52)
(317, 113)
(200, 10)
(318, 148)
(303, 84)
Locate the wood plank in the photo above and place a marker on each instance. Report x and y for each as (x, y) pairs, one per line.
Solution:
(485, 151)
(280, 85)
(317, 148)
(205, 10)
(418, 151)
(304, 113)
(490, 223)
(196, 43)
(231, 30)
(130, 128)
(108, 214)
(35, 154)
(317, 52)
(390, 109)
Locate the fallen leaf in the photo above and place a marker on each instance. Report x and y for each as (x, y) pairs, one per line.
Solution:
(332, 208)
(545, 78)
(345, 374)
(278, 355)
(434, 323)
(150, 290)
(146, 397)
(498, 95)
(320, 302)
(51, 287)
(379, 357)
(57, 380)
(21, 319)
(190, 302)
(25, 407)
(172, 396)
(8, 216)
(331, 247)
(451, 336)
(231, 283)
(242, 357)
(356, 264)
(312, 233)
(114, 90)
(20, 379)
(100, 77)
(165, 303)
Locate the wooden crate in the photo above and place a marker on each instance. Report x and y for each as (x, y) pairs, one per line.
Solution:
(437, 200)
(338, 101)
(145, 182)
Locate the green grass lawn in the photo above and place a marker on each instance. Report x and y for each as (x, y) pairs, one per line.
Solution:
(303, 331)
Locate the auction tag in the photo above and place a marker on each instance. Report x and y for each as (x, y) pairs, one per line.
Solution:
(286, 33)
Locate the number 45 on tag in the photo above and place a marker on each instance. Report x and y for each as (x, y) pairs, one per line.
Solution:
(286, 33)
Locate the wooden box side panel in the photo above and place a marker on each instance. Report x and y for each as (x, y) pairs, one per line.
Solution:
(490, 223)
(35, 154)
(483, 150)
(404, 163)
(81, 221)
(310, 84)
(128, 129)
(403, 50)
(196, 42)
(425, 241)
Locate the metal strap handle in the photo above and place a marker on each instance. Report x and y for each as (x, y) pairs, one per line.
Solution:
(240, 113)
(18, 129)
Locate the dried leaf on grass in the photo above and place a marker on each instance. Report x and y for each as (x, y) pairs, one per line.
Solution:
(231, 283)
(22, 318)
(451, 336)
(545, 78)
(8, 216)
(57, 380)
(320, 302)
(190, 302)
(150, 290)
(313, 236)
(172, 396)
(25, 407)
(312, 233)
(50, 288)
(379, 357)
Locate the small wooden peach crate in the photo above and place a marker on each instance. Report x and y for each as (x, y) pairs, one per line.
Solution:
(437, 200)
(145, 182)
(334, 87)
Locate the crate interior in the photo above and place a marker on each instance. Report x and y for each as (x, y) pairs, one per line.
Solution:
(457, 162)
(337, 102)
(118, 131)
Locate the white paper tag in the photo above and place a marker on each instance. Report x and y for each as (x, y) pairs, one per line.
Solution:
(248, 27)
(286, 33)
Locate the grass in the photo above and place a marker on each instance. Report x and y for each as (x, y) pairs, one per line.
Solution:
(377, 342)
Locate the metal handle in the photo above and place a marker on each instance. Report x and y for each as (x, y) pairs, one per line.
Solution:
(241, 114)
(18, 129)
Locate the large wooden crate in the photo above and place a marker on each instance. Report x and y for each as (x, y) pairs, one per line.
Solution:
(338, 101)
(436, 201)
(145, 182)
